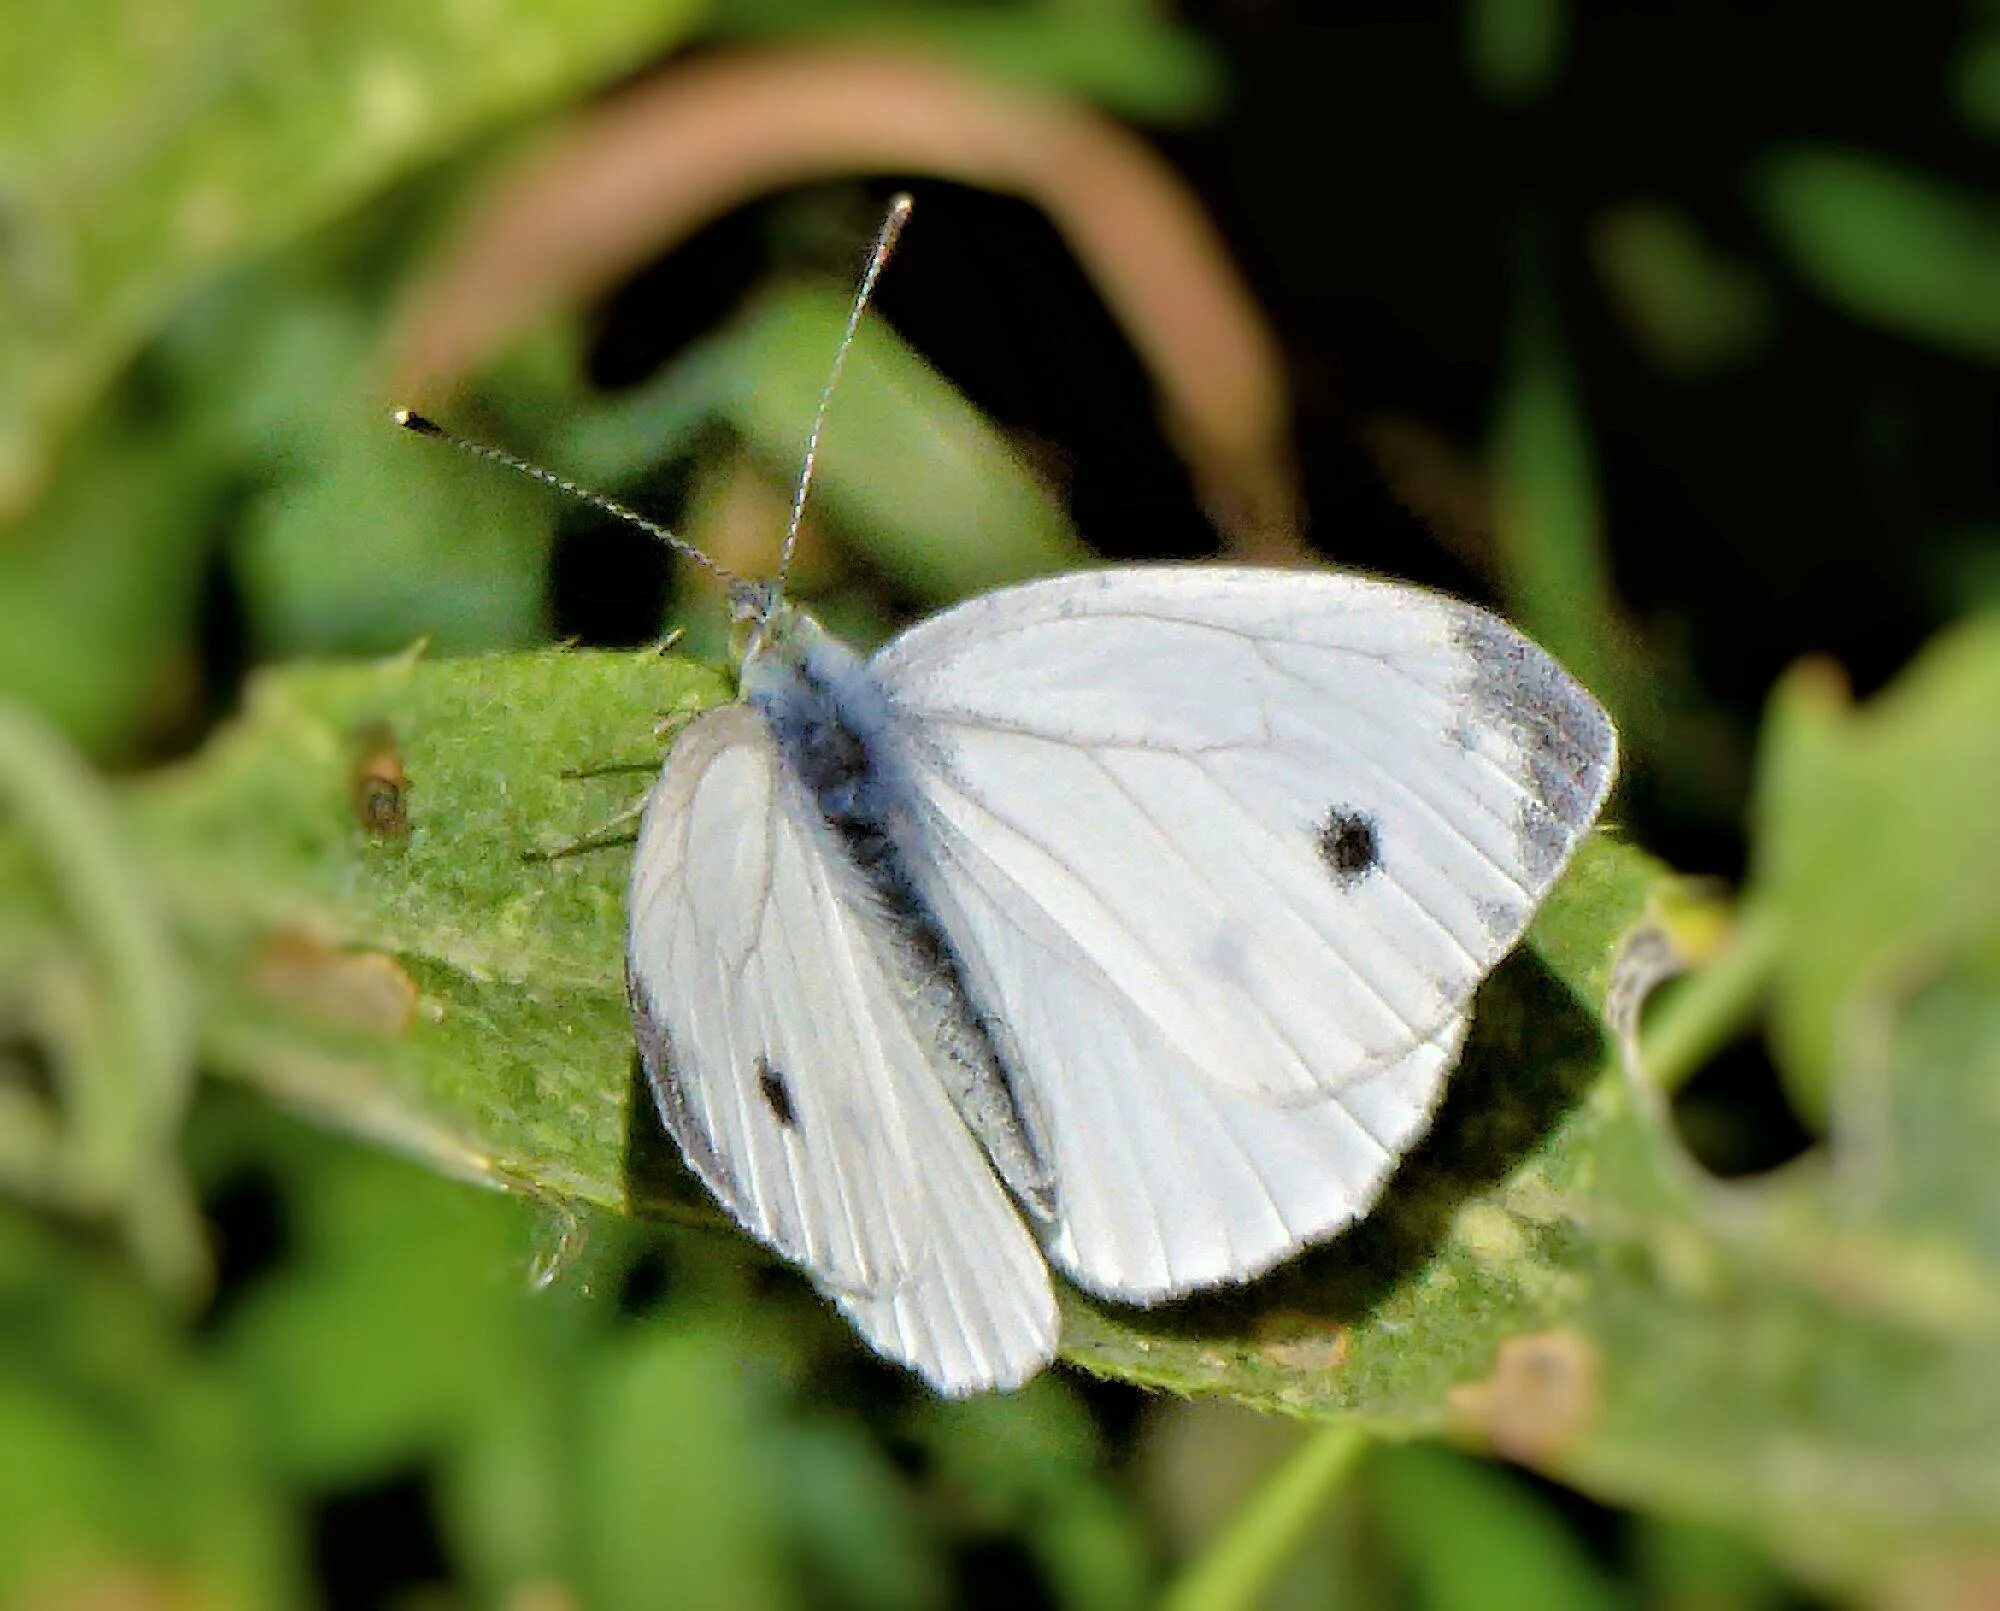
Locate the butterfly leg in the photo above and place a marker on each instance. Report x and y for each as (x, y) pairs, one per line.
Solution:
(618, 831)
(667, 726)
(607, 769)
(606, 836)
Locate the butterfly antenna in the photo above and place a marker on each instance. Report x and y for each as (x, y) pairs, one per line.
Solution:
(878, 259)
(422, 425)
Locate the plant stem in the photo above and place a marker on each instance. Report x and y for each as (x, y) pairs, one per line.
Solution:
(1237, 1568)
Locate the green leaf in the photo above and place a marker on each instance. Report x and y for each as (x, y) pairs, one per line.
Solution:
(442, 995)
(141, 152)
(1878, 841)
(433, 990)
(1893, 248)
(437, 990)
(1682, 1563)
(904, 456)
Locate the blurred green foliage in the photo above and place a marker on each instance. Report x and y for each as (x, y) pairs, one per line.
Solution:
(1899, 250)
(148, 148)
(349, 1379)
(1513, 48)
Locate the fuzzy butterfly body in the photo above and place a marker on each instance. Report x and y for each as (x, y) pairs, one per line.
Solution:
(1125, 922)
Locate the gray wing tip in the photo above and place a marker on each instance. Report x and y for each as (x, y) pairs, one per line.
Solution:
(1566, 740)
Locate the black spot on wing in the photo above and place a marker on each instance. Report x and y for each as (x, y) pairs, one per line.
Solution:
(777, 1095)
(1348, 846)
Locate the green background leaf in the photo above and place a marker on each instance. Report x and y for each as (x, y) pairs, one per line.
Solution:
(144, 148)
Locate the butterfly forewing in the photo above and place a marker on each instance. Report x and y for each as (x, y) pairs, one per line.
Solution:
(1228, 852)
(1288, 820)
(774, 1014)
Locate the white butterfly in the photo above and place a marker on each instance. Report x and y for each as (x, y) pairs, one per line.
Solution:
(1126, 922)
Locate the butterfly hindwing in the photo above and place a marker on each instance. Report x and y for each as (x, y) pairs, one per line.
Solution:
(774, 1011)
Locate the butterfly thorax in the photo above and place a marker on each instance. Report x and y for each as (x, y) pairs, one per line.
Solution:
(835, 728)
(829, 716)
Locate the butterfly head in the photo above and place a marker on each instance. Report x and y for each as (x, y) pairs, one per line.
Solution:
(759, 620)
(782, 653)
(773, 641)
